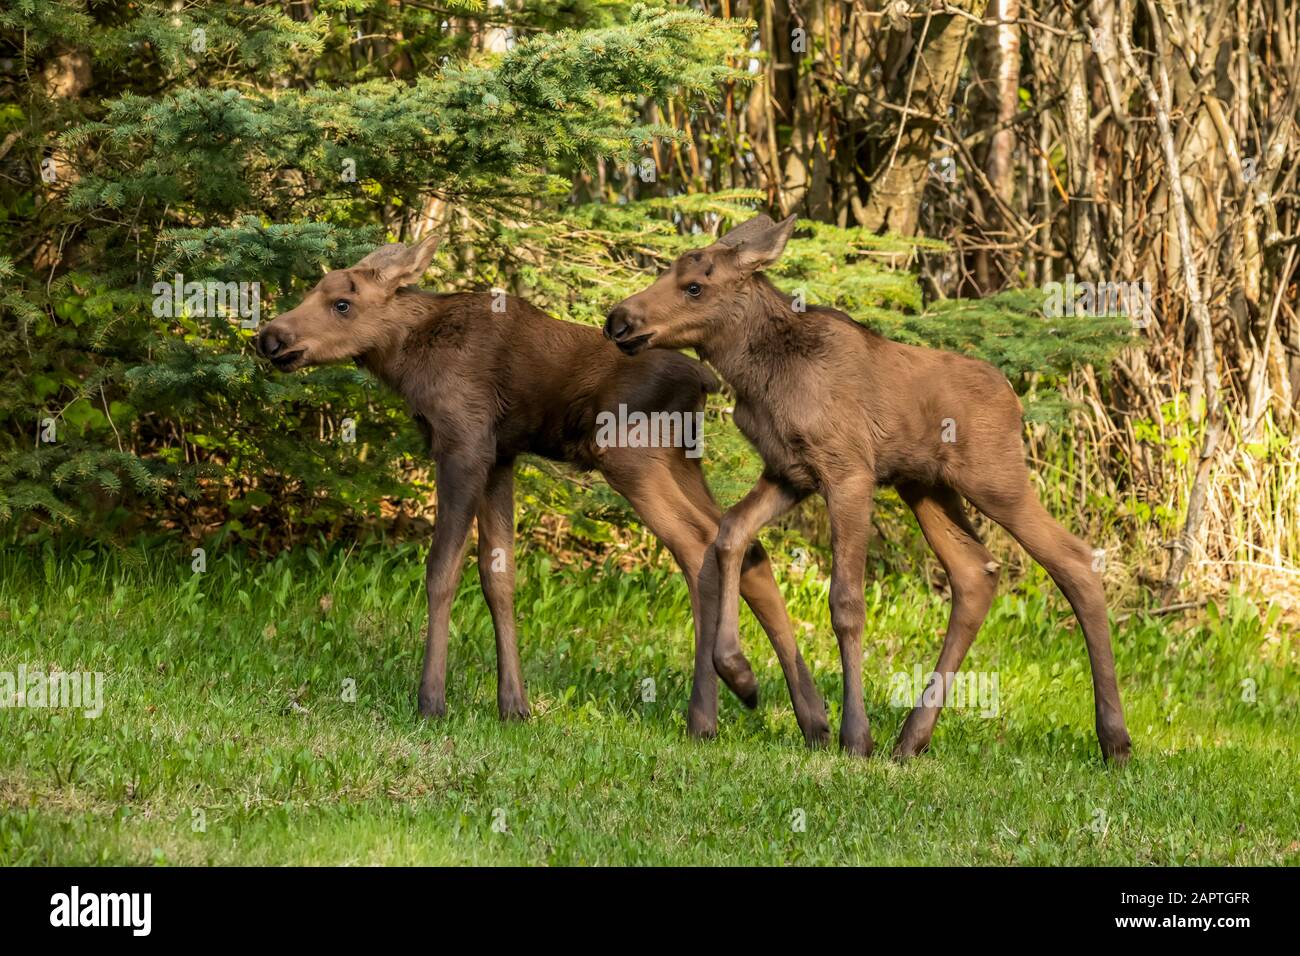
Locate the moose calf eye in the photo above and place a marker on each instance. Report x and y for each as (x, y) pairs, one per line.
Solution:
(342, 306)
(693, 289)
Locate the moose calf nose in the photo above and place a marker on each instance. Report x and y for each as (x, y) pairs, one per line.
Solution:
(268, 343)
(617, 325)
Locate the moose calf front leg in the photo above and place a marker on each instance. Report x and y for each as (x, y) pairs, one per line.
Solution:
(850, 513)
(458, 491)
(766, 501)
(759, 590)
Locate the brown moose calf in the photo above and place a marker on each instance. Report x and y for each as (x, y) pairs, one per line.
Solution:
(835, 409)
(487, 386)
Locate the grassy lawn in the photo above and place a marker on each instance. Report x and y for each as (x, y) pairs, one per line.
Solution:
(227, 735)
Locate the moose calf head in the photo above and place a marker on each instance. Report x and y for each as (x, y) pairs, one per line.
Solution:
(349, 312)
(701, 290)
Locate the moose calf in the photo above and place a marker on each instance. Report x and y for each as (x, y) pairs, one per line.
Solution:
(836, 409)
(485, 387)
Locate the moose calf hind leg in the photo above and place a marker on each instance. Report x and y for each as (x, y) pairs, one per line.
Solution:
(657, 497)
(496, 574)
(972, 596)
(1069, 561)
(973, 577)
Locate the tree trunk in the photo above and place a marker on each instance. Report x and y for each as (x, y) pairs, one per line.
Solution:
(929, 83)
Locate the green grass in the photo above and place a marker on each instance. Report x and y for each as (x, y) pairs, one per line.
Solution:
(206, 713)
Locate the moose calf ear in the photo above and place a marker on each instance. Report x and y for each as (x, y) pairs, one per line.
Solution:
(396, 264)
(746, 229)
(418, 258)
(758, 251)
(383, 257)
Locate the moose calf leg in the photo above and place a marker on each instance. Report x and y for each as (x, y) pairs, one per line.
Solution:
(1070, 563)
(702, 711)
(654, 486)
(973, 578)
(758, 588)
(458, 492)
(850, 512)
(496, 573)
(766, 501)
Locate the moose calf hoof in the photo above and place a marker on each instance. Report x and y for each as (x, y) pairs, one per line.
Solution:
(739, 677)
(818, 736)
(817, 728)
(433, 708)
(1116, 748)
(857, 744)
(907, 748)
(748, 694)
(701, 727)
(514, 709)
